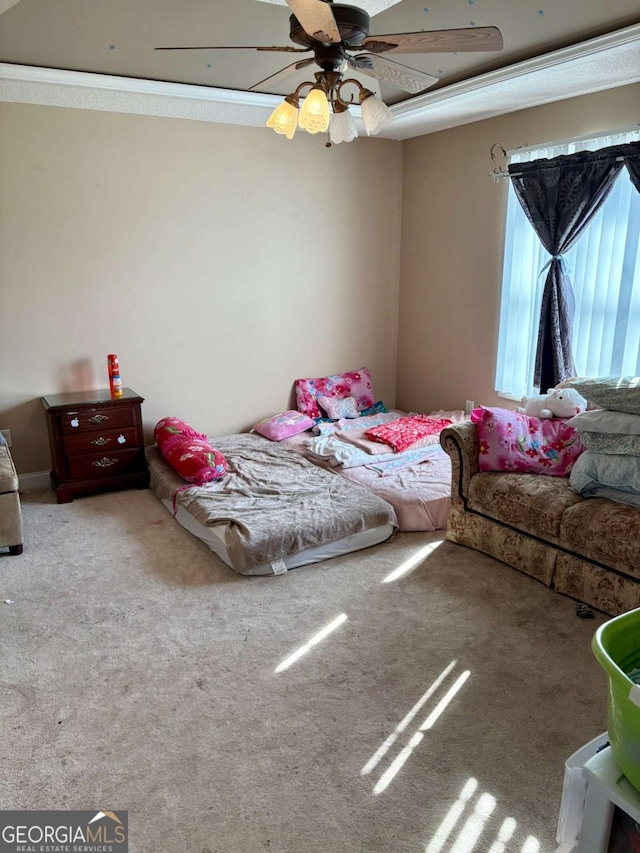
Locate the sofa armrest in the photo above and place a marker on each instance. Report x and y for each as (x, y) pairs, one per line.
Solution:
(461, 443)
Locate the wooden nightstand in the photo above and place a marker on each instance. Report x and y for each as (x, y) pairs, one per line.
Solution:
(96, 442)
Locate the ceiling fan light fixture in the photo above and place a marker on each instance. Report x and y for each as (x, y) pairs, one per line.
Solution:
(342, 127)
(376, 115)
(284, 119)
(314, 115)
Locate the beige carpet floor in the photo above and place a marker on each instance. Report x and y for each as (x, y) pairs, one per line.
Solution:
(139, 673)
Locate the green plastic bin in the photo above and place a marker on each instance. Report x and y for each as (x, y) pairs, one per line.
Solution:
(616, 645)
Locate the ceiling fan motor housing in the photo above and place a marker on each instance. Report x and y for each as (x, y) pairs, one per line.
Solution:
(353, 24)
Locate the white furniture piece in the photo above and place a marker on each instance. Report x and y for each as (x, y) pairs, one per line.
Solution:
(574, 791)
(593, 787)
(607, 788)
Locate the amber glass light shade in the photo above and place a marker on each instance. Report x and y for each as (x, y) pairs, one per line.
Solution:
(314, 115)
(284, 119)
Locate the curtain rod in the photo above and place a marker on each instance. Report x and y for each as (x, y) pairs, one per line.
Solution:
(502, 174)
(499, 172)
(577, 140)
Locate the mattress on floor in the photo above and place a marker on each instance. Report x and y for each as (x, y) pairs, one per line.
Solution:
(274, 504)
(420, 494)
(214, 536)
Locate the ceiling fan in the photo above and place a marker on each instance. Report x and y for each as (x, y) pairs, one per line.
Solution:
(338, 36)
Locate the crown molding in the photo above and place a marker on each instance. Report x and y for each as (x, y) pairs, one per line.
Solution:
(601, 63)
(54, 87)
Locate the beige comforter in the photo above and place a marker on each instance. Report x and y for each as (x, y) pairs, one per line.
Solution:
(275, 502)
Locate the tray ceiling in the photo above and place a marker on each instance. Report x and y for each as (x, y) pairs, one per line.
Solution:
(117, 37)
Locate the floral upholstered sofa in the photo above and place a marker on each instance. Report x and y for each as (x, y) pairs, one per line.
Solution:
(586, 548)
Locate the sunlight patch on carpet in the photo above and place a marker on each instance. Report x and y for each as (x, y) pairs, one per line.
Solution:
(317, 638)
(476, 824)
(446, 699)
(452, 817)
(412, 562)
(505, 834)
(404, 754)
(402, 725)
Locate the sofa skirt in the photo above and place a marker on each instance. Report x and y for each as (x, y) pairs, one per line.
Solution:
(566, 573)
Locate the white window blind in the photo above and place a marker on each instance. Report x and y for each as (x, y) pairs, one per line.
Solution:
(604, 267)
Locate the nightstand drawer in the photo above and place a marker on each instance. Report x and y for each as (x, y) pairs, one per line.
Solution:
(102, 440)
(102, 419)
(106, 464)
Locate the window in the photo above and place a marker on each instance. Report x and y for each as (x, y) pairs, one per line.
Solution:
(604, 267)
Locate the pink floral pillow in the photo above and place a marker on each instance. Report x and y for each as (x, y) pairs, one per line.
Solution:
(189, 452)
(283, 425)
(510, 441)
(356, 384)
(342, 407)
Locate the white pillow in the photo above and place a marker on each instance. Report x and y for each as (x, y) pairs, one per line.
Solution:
(605, 420)
(339, 407)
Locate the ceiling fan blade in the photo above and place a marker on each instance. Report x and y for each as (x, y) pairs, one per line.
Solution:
(238, 47)
(317, 19)
(409, 79)
(284, 73)
(437, 41)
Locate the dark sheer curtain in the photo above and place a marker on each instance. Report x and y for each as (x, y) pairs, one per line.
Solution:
(560, 198)
(632, 162)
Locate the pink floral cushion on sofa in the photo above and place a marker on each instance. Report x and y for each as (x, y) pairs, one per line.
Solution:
(510, 441)
(356, 384)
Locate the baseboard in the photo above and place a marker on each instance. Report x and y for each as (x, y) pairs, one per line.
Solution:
(35, 480)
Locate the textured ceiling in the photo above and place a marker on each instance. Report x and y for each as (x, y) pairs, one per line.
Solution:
(118, 36)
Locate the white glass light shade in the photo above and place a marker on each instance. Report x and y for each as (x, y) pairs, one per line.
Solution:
(314, 115)
(284, 119)
(342, 127)
(376, 115)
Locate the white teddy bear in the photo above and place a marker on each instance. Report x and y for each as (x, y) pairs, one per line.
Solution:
(556, 403)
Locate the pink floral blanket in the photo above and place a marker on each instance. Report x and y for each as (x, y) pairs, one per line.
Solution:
(405, 432)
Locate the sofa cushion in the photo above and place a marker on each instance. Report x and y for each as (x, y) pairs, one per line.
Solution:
(8, 476)
(529, 502)
(605, 531)
(512, 441)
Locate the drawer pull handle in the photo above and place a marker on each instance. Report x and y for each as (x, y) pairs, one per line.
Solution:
(98, 419)
(100, 441)
(104, 462)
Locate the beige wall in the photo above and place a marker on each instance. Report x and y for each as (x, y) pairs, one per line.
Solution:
(220, 263)
(452, 241)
